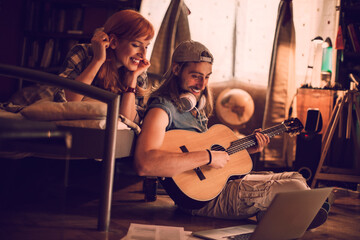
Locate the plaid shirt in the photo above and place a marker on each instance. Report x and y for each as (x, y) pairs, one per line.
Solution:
(77, 59)
(80, 56)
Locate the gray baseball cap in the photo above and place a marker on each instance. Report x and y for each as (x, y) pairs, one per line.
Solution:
(192, 51)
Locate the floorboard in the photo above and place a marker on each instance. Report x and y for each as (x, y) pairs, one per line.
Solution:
(35, 204)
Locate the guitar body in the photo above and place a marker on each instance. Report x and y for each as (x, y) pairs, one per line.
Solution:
(194, 188)
(214, 180)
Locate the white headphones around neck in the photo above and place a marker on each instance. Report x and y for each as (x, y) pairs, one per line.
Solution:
(189, 101)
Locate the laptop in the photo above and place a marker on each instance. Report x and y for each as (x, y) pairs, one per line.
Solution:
(288, 217)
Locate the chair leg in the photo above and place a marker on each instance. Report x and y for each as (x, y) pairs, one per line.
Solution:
(150, 185)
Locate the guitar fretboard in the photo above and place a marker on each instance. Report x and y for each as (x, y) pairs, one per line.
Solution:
(250, 140)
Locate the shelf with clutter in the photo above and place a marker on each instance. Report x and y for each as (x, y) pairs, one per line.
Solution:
(51, 28)
(348, 49)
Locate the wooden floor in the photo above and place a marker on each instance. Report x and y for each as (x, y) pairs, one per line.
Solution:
(35, 204)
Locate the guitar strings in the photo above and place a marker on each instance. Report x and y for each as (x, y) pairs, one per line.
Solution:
(250, 140)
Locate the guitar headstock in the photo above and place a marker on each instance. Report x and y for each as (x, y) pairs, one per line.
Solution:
(293, 126)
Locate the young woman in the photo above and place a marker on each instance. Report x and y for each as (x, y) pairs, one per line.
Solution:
(115, 60)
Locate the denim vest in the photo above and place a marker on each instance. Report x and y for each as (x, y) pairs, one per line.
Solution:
(177, 119)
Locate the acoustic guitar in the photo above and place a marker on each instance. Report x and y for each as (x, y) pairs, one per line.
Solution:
(193, 188)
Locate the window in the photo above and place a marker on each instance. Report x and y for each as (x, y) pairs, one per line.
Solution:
(240, 33)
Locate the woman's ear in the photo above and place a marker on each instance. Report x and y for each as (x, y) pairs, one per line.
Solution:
(113, 41)
(176, 69)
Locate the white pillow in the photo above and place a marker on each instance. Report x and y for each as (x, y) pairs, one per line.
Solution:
(10, 115)
(89, 123)
(54, 111)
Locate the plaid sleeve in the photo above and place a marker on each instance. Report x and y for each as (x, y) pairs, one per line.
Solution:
(76, 61)
(142, 80)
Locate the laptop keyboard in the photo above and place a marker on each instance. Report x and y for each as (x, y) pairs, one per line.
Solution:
(243, 236)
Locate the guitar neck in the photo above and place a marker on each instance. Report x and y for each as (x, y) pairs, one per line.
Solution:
(250, 140)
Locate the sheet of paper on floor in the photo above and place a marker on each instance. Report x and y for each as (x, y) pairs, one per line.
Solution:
(156, 232)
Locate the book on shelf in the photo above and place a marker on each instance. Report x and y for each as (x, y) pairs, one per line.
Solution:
(47, 54)
(46, 19)
(30, 6)
(49, 16)
(33, 58)
(56, 58)
(61, 15)
(75, 21)
(354, 38)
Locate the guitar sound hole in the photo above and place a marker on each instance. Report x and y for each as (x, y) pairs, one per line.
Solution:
(217, 147)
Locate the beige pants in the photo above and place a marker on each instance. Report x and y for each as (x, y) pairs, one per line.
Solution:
(243, 198)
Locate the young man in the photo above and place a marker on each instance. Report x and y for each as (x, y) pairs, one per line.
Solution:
(184, 102)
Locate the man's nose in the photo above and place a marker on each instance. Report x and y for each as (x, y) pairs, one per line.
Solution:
(201, 82)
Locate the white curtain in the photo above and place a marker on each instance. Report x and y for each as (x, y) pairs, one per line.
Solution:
(240, 33)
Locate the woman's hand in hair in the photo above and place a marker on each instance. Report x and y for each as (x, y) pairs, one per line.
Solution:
(100, 42)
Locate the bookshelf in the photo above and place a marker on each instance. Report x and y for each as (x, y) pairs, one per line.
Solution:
(52, 27)
(348, 59)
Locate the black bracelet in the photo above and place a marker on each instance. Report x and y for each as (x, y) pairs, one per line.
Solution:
(130, 90)
(210, 157)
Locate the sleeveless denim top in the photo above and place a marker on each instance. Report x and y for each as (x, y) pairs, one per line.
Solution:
(177, 119)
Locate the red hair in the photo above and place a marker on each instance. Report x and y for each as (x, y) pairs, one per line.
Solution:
(129, 24)
(125, 24)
